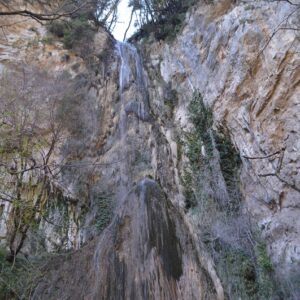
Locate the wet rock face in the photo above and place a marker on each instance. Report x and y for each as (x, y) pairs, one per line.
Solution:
(166, 243)
(146, 253)
(252, 84)
(147, 250)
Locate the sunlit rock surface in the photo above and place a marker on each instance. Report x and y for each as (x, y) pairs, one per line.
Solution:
(248, 72)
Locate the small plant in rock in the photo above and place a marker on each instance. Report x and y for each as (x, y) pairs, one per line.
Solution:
(47, 40)
(201, 117)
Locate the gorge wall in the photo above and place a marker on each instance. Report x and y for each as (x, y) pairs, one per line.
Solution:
(247, 70)
(178, 160)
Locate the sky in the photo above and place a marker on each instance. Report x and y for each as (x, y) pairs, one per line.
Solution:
(124, 17)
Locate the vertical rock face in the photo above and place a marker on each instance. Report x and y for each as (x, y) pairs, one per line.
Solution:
(246, 66)
(120, 190)
(147, 251)
(67, 94)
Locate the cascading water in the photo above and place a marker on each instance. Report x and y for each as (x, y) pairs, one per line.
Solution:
(139, 256)
(131, 76)
(147, 251)
(124, 78)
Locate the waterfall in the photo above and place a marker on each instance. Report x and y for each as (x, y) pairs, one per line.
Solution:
(133, 99)
(146, 251)
(140, 254)
(124, 77)
(132, 76)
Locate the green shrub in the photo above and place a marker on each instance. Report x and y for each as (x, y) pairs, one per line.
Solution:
(230, 163)
(189, 194)
(246, 276)
(263, 259)
(17, 279)
(202, 119)
(104, 214)
(264, 269)
(168, 22)
(238, 273)
(197, 177)
(198, 137)
(77, 31)
(57, 28)
(74, 33)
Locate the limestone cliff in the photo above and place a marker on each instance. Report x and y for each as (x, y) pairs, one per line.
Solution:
(167, 170)
(246, 67)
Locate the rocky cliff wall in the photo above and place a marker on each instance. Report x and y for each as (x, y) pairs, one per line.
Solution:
(181, 172)
(244, 59)
(116, 176)
(63, 94)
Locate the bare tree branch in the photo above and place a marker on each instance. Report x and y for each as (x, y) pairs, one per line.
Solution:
(264, 157)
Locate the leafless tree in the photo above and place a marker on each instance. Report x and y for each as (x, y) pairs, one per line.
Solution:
(101, 11)
(29, 135)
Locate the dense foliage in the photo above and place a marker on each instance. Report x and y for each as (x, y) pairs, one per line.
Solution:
(161, 18)
(76, 33)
